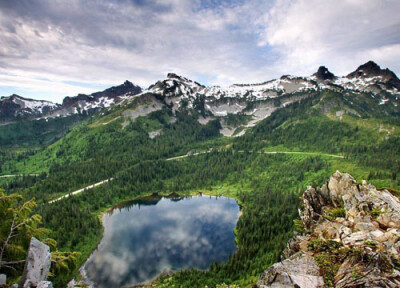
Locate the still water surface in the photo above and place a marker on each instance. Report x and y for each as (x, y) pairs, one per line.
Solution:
(146, 237)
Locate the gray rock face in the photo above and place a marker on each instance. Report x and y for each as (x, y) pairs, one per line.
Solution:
(37, 264)
(3, 280)
(45, 284)
(313, 202)
(297, 271)
(294, 245)
(366, 223)
(356, 273)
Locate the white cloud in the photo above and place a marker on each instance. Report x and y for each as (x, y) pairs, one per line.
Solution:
(340, 34)
(103, 43)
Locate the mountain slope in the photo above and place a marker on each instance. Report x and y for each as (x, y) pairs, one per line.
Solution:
(256, 100)
(16, 107)
(131, 142)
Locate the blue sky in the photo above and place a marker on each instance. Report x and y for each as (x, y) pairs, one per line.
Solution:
(54, 48)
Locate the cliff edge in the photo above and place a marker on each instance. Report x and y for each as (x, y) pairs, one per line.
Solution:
(349, 237)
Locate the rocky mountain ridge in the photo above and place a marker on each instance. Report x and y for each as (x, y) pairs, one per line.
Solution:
(351, 238)
(366, 78)
(257, 101)
(17, 107)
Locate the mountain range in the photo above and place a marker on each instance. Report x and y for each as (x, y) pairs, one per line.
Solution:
(256, 100)
(92, 152)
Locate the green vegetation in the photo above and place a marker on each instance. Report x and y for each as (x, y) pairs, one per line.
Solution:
(38, 132)
(335, 213)
(329, 255)
(374, 212)
(236, 120)
(267, 185)
(17, 227)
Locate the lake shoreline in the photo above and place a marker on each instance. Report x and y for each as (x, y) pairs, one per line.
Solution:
(151, 198)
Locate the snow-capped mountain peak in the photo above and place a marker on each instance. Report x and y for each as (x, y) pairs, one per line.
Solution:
(370, 78)
(178, 91)
(16, 106)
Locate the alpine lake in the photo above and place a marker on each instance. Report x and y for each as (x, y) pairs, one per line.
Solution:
(153, 235)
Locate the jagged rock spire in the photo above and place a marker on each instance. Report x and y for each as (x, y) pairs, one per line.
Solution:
(324, 74)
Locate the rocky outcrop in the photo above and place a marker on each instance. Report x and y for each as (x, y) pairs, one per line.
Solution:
(352, 234)
(355, 272)
(37, 265)
(324, 74)
(45, 284)
(300, 270)
(3, 280)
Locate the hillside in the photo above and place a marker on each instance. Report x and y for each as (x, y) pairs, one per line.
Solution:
(289, 133)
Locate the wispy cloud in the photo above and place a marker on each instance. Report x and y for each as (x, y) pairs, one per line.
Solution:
(48, 44)
(340, 34)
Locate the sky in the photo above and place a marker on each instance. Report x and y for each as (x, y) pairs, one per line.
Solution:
(50, 49)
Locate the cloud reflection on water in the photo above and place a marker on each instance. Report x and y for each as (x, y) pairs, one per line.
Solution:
(140, 242)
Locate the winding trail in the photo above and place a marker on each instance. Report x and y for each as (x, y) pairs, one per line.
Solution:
(18, 175)
(262, 152)
(182, 157)
(301, 153)
(187, 155)
(81, 190)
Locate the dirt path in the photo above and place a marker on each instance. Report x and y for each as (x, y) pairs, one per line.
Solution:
(301, 153)
(186, 155)
(81, 190)
(18, 175)
(262, 152)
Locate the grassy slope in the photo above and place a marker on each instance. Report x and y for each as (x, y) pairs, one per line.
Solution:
(291, 129)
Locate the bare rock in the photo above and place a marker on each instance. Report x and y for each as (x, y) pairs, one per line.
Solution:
(365, 226)
(297, 271)
(337, 185)
(294, 245)
(3, 280)
(371, 271)
(37, 264)
(366, 223)
(356, 238)
(71, 283)
(45, 284)
(313, 201)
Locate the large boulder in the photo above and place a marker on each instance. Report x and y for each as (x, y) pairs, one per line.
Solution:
(37, 264)
(299, 270)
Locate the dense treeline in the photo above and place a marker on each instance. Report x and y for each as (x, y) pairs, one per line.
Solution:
(262, 231)
(37, 132)
(87, 156)
(267, 185)
(104, 151)
(303, 126)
